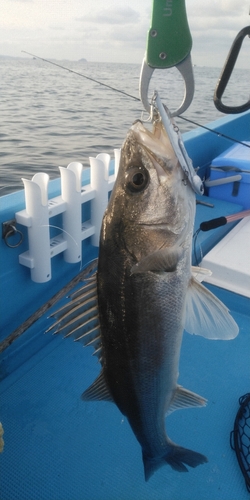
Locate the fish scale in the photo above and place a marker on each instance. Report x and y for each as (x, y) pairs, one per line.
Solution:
(145, 246)
(146, 296)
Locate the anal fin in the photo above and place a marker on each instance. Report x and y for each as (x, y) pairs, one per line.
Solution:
(183, 398)
(98, 391)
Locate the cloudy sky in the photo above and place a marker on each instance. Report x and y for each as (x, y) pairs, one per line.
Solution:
(115, 30)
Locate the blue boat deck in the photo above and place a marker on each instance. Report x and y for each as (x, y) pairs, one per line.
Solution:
(58, 447)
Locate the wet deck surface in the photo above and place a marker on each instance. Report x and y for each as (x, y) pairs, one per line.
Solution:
(58, 447)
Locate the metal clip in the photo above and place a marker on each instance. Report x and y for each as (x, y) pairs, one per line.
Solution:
(185, 68)
(226, 74)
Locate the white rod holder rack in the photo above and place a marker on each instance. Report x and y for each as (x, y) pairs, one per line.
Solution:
(39, 210)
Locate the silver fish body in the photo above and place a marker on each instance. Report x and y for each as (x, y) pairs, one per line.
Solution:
(146, 297)
(144, 274)
(141, 358)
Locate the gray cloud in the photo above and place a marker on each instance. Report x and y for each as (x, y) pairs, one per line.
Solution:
(218, 9)
(115, 30)
(134, 36)
(58, 28)
(119, 15)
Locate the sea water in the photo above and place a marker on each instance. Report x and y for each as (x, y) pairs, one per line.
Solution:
(50, 117)
(58, 447)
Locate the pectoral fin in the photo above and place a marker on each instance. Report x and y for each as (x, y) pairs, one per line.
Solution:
(183, 398)
(164, 260)
(200, 273)
(206, 315)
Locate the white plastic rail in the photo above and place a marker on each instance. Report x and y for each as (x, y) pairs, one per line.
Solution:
(39, 209)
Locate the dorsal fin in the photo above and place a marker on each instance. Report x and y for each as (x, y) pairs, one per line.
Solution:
(78, 318)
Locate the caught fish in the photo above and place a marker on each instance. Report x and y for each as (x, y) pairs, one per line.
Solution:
(146, 296)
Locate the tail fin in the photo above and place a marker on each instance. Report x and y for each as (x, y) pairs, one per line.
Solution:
(176, 457)
(180, 456)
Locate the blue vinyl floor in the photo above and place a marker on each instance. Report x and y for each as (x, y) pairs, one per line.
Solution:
(58, 447)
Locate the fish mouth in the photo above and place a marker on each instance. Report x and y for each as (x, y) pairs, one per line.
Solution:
(157, 146)
(157, 142)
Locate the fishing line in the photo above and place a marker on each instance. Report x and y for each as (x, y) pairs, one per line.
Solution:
(84, 76)
(219, 134)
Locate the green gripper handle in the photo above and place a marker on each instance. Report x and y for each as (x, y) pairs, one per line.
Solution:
(169, 40)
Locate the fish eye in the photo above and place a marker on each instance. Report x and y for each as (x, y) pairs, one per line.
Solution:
(137, 179)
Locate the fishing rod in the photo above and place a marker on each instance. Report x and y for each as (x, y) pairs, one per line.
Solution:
(213, 224)
(221, 221)
(219, 134)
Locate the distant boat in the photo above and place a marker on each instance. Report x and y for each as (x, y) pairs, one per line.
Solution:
(82, 60)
